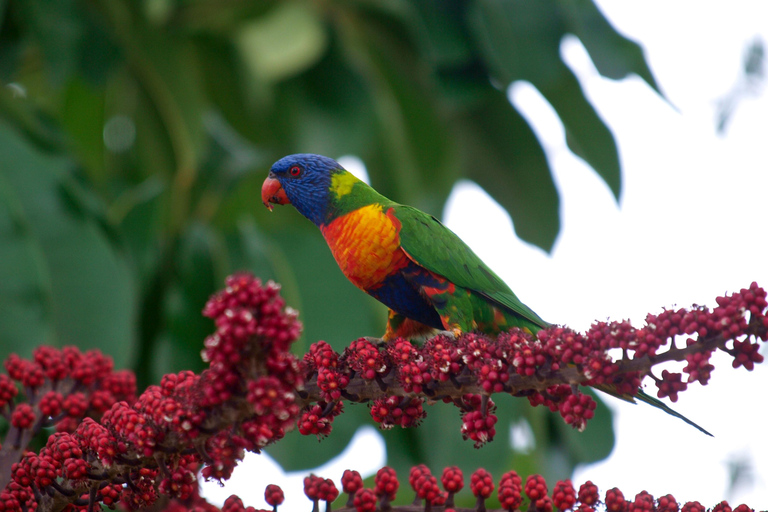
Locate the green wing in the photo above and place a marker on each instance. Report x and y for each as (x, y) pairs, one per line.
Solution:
(438, 249)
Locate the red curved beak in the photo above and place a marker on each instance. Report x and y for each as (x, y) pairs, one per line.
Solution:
(272, 192)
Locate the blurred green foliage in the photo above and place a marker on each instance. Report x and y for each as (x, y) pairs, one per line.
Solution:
(135, 136)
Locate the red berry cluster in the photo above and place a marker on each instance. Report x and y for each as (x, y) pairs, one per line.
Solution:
(60, 388)
(481, 484)
(424, 484)
(351, 482)
(478, 419)
(511, 493)
(274, 496)
(402, 411)
(386, 485)
(364, 359)
(548, 369)
(154, 444)
(320, 489)
(111, 447)
(317, 419)
(453, 482)
(536, 490)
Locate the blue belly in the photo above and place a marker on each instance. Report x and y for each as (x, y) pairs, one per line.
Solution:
(400, 293)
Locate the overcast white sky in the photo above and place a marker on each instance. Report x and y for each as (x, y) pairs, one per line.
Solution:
(691, 225)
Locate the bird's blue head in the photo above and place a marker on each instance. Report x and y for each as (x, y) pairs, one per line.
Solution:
(302, 180)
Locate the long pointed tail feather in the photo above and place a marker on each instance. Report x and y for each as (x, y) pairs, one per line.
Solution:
(655, 402)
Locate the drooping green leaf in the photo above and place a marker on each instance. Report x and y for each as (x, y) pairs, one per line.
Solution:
(197, 273)
(98, 52)
(614, 55)
(62, 283)
(501, 154)
(586, 133)
(518, 40)
(521, 41)
(229, 89)
(328, 111)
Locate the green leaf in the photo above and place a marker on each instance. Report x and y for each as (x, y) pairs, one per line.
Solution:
(82, 115)
(282, 43)
(62, 282)
(438, 27)
(296, 452)
(586, 133)
(200, 268)
(328, 111)
(229, 89)
(412, 159)
(521, 41)
(614, 55)
(501, 154)
(165, 79)
(58, 30)
(596, 441)
(99, 55)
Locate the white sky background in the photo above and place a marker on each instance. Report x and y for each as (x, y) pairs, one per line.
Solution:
(691, 225)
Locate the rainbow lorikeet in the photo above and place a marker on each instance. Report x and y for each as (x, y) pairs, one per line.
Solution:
(427, 277)
(423, 272)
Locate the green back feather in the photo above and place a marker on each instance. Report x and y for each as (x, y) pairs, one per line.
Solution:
(440, 250)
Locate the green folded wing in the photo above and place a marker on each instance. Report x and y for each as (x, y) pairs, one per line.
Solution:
(438, 249)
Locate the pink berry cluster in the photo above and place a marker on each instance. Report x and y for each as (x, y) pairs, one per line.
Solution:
(399, 377)
(512, 492)
(320, 489)
(114, 448)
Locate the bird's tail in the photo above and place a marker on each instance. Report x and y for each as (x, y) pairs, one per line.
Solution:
(655, 402)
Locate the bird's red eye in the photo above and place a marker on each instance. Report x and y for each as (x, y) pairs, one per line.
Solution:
(295, 170)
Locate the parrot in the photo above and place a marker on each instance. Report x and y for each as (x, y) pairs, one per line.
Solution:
(428, 278)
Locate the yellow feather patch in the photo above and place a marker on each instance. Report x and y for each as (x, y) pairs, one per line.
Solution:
(342, 183)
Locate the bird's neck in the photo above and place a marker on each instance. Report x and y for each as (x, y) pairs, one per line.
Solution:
(347, 194)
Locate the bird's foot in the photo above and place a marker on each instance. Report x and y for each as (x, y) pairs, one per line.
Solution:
(454, 333)
(379, 342)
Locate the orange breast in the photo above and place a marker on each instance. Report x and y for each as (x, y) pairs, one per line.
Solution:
(366, 245)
